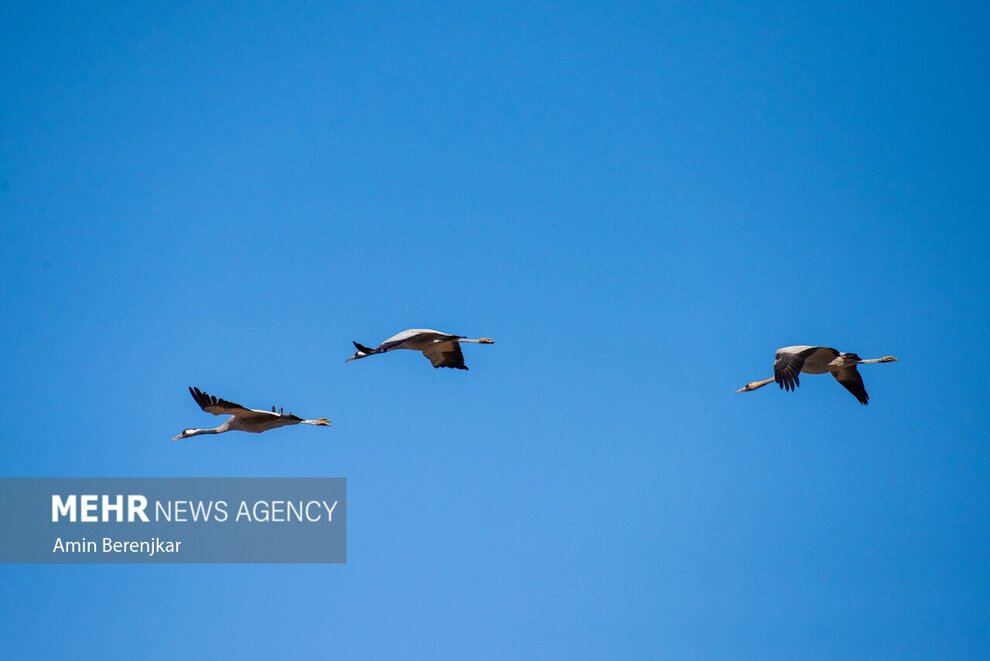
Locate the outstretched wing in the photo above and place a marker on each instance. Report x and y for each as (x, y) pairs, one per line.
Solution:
(215, 405)
(446, 354)
(247, 419)
(852, 381)
(412, 339)
(787, 366)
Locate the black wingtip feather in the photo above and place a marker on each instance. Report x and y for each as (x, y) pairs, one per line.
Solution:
(198, 396)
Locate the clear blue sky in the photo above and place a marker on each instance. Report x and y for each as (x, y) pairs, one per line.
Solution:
(638, 202)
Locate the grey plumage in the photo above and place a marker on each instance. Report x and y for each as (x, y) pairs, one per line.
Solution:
(242, 418)
(790, 362)
(442, 349)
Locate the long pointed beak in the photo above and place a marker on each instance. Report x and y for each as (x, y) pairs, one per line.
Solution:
(177, 438)
(743, 389)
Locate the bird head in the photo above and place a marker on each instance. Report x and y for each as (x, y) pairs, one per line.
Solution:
(362, 352)
(322, 422)
(186, 433)
(486, 340)
(888, 359)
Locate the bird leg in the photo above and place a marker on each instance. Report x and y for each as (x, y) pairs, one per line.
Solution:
(319, 422)
(885, 359)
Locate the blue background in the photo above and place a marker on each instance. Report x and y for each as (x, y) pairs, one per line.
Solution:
(638, 202)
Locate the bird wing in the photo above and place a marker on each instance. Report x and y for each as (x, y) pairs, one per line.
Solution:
(852, 380)
(246, 419)
(217, 406)
(419, 334)
(259, 421)
(787, 365)
(283, 418)
(446, 354)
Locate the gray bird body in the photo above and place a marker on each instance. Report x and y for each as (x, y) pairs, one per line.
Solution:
(241, 418)
(442, 349)
(789, 362)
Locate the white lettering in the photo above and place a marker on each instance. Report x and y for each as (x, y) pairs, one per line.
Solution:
(62, 507)
(116, 506)
(309, 516)
(88, 504)
(136, 504)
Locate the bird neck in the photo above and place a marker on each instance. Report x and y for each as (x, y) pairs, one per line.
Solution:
(217, 430)
(760, 384)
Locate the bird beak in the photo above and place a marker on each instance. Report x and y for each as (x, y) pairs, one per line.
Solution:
(743, 389)
(177, 438)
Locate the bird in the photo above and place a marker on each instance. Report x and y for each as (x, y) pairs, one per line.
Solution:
(241, 418)
(443, 349)
(791, 361)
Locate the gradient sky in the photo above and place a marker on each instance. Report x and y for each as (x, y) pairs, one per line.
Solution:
(639, 202)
